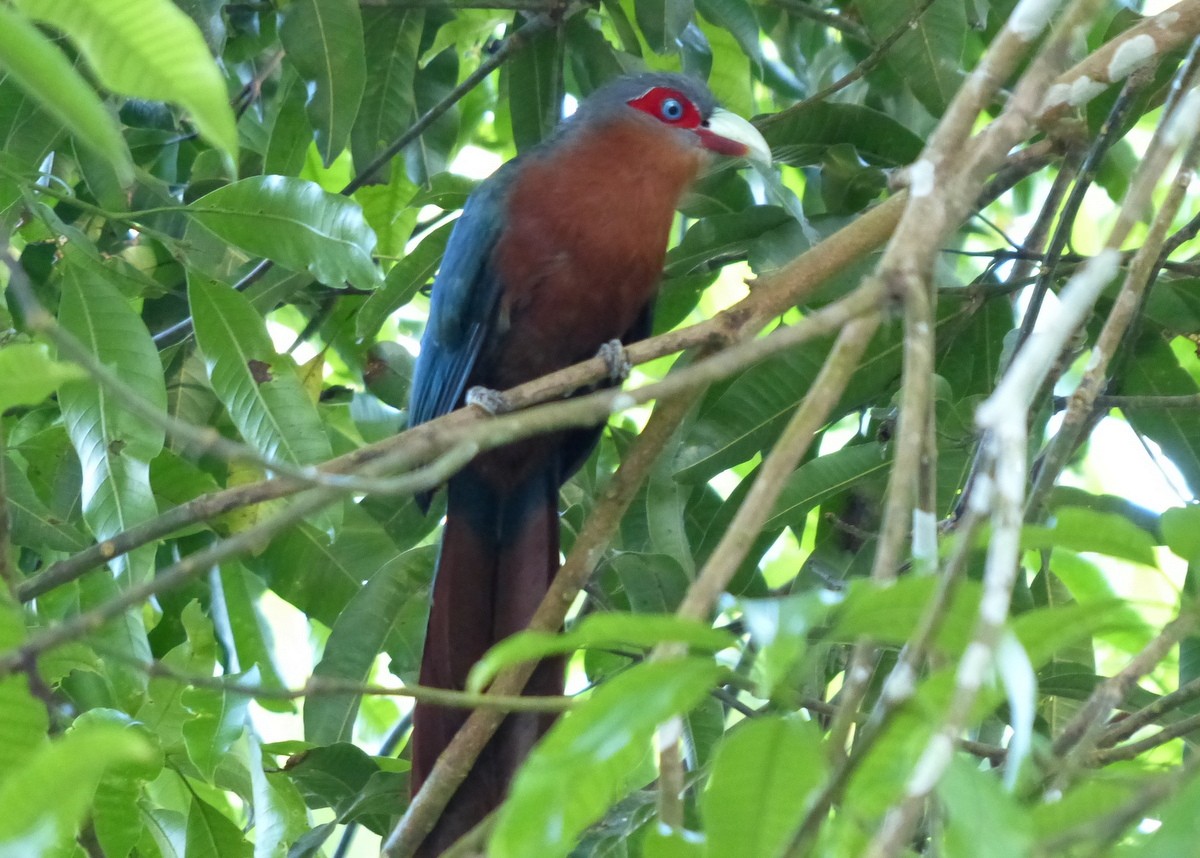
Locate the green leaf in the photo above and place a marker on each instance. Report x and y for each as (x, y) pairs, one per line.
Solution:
(821, 478)
(1081, 529)
(802, 135)
(780, 628)
(177, 481)
(249, 630)
(115, 811)
(165, 831)
(378, 803)
(975, 802)
(534, 73)
(114, 446)
(259, 388)
(762, 778)
(593, 58)
(218, 719)
(402, 282)
(163, 711)
(891, 614)
(27, 134)
(324, 42)
(1180, 827)
(738, 18)
(661, 842)
(44, 72)
(147, 49)
(280, 817)
(550, 803)
(294, 223)
(1045, 631)
(332, 776)
(1181, 530)
(713, 241)
(390, 212)
(210, 832)
(49, 794)
(597, 630)
(23, 718)
(662, 22)
(1090, 800)
(318, 577)
(928, 57)
(34, 526)
(743, 415)
(361, 632)
(653, 583)
(290, 133)
(1154, 370)
(393, 36)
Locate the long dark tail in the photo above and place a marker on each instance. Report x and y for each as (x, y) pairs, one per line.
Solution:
(499, 553)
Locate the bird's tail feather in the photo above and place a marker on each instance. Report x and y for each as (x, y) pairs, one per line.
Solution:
(499, 553)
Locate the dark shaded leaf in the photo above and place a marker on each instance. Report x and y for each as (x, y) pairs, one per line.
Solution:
(928, 57)
(800, 136)
(324, 42)
(392, 37)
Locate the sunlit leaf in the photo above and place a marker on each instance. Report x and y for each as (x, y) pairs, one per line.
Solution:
(259, 387)
(210, 832)
(550, 804)
(296, 224)
(45, 73)
(975, 802)
(48, 795)
(761, 783)
(114, 445)
(147, 49)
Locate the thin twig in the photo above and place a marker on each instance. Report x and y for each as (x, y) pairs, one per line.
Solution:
(864, 66)
(188, 567)
(1081, 734)
(321, 686)
(829, 19)
(1176, 127)
(1133, 750)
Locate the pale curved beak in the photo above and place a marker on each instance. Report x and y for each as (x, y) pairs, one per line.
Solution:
(729, 134)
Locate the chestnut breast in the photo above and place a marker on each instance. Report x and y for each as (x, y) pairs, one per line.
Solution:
(586, 229)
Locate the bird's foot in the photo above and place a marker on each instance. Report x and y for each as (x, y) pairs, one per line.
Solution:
(616, 359)
(491, 401)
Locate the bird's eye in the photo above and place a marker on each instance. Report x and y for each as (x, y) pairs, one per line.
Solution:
(671, 110)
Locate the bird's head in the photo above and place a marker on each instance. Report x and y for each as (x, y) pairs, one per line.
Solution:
(683, 103)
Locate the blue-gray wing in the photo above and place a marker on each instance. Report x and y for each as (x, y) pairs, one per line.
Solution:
(462, 307)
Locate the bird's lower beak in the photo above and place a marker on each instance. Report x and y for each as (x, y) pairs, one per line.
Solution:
(729, 134)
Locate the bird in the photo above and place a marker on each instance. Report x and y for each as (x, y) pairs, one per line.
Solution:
(555, 257)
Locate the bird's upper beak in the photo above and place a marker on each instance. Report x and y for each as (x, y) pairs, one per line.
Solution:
(729, 134)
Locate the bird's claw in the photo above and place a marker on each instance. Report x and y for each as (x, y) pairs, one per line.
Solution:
(616, 359)
(491, 401)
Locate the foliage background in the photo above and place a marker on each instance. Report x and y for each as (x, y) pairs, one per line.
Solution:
(174, 568)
